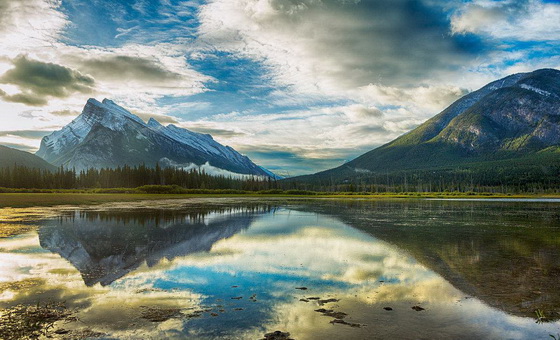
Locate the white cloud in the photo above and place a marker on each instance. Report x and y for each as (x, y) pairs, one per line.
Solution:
(423, 98)
(520, 20)
(30, 24)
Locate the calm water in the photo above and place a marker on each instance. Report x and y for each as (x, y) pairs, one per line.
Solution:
(225, 269)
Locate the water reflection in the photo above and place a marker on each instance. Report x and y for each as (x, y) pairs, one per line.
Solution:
(507, 254)
(232, 271)
(105, 246)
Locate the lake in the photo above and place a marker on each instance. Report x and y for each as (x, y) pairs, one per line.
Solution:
(238, 268)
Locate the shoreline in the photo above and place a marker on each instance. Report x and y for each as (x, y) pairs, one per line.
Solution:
(24, 200)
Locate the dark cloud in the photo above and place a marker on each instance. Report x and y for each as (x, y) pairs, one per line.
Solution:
(5, 6)
(394, 42)
(24, 98)
(64, 113)
(128, 68)
(348, 43)
(217, 132)
(38, 81)
(366, 130)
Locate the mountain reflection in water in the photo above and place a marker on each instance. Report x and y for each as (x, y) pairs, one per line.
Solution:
(479, 269)
(105, 246)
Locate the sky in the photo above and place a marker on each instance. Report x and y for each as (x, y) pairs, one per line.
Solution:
(297, 85)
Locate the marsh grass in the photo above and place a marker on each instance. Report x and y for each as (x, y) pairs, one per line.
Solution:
(31, 322)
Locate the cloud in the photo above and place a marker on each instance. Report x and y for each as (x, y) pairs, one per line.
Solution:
(217, 132)
(362, 112)
(430, 98)
(29, 134)
(30, 24)
(331, 46)
(64, 113)
(19, 146)
(524, 20)
(24, 98)
(38, 81)
(122, 67)
(160, 118)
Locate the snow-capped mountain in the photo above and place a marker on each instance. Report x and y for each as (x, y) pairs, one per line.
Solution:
(107, 135)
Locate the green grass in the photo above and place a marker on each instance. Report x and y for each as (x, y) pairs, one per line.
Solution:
(70, 197)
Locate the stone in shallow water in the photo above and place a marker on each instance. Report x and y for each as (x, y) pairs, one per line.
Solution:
(342, 322)
(322, 302)
(155, 314)
(277, 335)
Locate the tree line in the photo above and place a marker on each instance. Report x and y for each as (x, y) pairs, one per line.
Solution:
(125, 177)
(481, 180)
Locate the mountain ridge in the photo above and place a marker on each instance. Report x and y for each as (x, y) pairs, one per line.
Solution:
(107, 135)
(10, 157)
(511, 118)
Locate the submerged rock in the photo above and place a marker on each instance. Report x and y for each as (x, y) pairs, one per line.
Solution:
(342, 322)
(277, 335)
(156, 314)
(322, 302)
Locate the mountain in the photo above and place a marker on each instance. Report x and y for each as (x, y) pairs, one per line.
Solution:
(512, 121)
(107, 135)
(10, 157)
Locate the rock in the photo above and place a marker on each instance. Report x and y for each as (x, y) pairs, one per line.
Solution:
(304, 300)
(322, 302)
(237, 298)
(323, 310)
(418, 308)
(331, 313)
(342, 322)
(277, 335)
(156, 314)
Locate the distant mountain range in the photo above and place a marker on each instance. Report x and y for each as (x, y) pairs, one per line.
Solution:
(10, 157)
(514, 121)
(106, 135)
(505, 131)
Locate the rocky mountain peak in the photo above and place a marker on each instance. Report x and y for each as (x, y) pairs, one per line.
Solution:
(107, 135)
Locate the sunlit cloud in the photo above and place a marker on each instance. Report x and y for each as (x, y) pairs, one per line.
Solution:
(285, 82)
